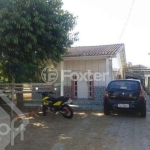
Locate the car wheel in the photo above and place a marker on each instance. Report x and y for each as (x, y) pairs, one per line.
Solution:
(106, 110)
(143, 112)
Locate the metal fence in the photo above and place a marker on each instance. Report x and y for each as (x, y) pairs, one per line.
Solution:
(24, 95)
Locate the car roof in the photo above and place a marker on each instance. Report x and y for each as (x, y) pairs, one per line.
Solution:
(126, 80)
(135, 80)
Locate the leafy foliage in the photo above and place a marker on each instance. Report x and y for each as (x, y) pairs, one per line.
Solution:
(31, 32)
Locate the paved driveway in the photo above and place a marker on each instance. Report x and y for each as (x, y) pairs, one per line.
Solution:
(87, 130)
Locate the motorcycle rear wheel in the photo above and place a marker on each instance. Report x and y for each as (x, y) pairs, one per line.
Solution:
(67, 111)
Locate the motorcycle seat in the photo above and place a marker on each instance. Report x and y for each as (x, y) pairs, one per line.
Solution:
(56, 99)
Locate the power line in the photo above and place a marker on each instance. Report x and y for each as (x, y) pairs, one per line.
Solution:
(127, 20)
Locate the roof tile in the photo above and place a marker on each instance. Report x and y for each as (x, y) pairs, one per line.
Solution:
(83, 51)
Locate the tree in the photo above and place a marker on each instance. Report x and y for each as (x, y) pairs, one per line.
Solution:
(31, 32)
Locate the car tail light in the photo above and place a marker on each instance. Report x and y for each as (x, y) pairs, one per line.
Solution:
(106, 94)
(142, 95)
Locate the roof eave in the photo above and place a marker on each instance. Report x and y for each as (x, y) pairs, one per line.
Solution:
(90, 57)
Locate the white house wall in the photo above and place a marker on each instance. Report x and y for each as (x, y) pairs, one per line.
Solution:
(120, 64)
(95, 66)
(117, 65)
(85, 65)
(58, 68)
(110, 70)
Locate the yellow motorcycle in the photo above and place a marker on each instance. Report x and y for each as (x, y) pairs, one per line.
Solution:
(60, 104)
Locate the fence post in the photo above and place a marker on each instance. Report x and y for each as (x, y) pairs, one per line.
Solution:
(12, 98)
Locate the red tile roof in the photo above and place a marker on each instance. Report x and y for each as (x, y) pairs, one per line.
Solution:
(94, 50)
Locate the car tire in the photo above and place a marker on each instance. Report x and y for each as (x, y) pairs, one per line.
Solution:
(106, 110)
(143, 112)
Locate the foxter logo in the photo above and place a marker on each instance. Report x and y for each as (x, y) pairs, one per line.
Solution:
(7, 130)
(49, 74)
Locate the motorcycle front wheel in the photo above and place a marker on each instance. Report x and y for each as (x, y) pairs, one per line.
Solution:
(67, 111)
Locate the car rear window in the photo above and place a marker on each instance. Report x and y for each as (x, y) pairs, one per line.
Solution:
(123, 85)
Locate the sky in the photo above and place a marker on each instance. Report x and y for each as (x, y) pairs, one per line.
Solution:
(101, 22)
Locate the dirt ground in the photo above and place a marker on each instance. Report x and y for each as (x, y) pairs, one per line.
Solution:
(87, 130)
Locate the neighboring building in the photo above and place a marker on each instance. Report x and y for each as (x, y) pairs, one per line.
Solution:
(91, 68)
(138, 72)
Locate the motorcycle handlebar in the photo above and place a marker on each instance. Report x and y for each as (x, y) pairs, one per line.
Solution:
(48, 92)
(51, 93)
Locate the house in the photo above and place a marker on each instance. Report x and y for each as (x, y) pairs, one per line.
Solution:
(140, 72)
(85, 71)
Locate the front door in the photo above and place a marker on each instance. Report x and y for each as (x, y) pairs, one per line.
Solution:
(82, 89)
